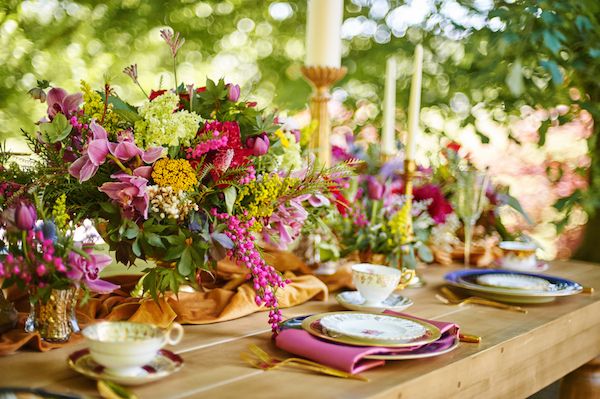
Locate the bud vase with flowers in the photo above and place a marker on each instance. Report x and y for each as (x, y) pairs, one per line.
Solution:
(40, 256)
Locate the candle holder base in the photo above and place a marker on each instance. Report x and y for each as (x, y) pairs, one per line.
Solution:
(321, 78)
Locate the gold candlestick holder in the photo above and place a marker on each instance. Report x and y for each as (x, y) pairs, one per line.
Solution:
(321, 79)
(410, 172)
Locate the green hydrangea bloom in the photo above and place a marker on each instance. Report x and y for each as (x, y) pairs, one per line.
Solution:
(163, 127)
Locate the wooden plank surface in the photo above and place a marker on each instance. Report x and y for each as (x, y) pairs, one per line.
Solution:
(520, 354)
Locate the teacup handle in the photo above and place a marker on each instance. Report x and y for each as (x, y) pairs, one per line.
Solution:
(406, 278)
(174, 334)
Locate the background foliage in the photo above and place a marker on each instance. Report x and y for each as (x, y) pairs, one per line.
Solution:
(485, 60)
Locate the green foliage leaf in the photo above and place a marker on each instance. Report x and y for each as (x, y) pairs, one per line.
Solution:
(230, 196)
(552, 41)
(57, 130)
(184, 266)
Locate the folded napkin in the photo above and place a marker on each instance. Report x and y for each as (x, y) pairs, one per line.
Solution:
(351, 358)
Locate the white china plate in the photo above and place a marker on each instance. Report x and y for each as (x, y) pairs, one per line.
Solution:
(515, 281)
(539, 267)
(163, 365)
(354, 301)
(369, 326)
(412, 355)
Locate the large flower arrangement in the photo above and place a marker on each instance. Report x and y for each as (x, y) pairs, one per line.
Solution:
(189, 177)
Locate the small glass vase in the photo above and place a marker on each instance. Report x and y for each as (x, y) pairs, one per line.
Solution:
(54, 319)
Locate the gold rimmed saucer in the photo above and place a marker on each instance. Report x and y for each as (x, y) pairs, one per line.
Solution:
(311, 324)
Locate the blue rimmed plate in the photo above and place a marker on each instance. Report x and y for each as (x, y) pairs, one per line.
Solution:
(513, 286)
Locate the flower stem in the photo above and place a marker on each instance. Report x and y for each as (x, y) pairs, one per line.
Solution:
(119, 164)
(141, 88)
(175, 71)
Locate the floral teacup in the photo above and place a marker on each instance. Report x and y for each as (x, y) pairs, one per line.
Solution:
(518, 255)
(123, 347)
(376, 282)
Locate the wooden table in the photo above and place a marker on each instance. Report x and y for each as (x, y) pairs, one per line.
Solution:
(519, 355)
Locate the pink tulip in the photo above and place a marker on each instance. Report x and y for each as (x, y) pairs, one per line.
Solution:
(258, 144)
(25, 216)
(233, 93)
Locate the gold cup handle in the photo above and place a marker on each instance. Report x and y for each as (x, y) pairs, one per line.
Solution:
(405, 278)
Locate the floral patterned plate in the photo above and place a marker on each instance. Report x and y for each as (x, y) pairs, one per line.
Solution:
(354, 301)
(468, 279)
(164, 364)
(370, 329)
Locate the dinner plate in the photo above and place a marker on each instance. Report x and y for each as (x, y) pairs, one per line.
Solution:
(430, 332)
(514, 281)
(421, 353)
(369, 326)
(467, 279)
(164, 364)
(354, 301)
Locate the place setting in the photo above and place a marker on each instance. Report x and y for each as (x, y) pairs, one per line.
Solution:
(127, 353)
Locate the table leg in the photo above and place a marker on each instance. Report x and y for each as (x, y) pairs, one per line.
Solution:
(582, 383)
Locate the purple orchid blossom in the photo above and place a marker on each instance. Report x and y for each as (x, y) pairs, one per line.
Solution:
(87, 271)
(61, 102)
(100, 147)
(233, 92)
(130, 191)
(286, 223)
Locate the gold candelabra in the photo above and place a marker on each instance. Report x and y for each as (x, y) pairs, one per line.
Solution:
(410, 169)
(321, 79)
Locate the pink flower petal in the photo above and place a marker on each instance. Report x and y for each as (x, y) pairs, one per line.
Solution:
(72, 102)
(98, 131)
(126, 150)
(152, 154)
(97, 151)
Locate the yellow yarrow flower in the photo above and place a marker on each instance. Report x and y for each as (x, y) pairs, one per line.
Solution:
(175, 173)
(400, 224)
(264, 194)
(285, 142)
(93, 107)
(59, 212)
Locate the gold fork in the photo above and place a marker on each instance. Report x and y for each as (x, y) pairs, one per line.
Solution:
(265, 362)
(450, 298)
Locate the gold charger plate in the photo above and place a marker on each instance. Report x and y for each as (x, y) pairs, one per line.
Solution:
(432, 333)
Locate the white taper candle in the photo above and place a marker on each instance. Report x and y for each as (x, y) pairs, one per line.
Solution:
(414, 105)
(388, 135)
(323, 33)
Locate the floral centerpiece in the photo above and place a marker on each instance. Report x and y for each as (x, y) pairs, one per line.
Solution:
(39, 255)
(189, 177)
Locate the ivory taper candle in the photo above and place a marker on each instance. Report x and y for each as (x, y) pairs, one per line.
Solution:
(323, 33)
(414, 105)
(388, 135)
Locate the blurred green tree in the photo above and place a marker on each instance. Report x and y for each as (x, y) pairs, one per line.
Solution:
(499, 55)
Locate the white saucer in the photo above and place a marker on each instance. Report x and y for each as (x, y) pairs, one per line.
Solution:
(164, 364)
(354, 301)
(540, 266)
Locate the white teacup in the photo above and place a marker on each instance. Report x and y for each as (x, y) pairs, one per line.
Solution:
(518, 255)
(376, 282)
(123, 347)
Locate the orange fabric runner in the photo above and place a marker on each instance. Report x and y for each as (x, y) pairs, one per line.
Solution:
(228, 296)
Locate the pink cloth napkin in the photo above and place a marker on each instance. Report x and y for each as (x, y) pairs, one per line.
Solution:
(351, 358)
